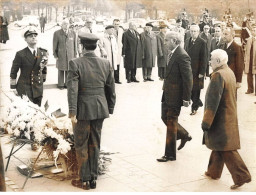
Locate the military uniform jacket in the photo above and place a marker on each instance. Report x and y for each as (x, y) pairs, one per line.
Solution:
(91, 88)
(31, 78)
(199, 60)
(162, 51)
(235, 59)
(220, 112)
(178, 79)
(149, 48)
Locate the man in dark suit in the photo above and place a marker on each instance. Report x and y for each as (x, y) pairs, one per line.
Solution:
(31, 61)
(197, 50)
(217, 40)
(132, 52)
(176, 93)
(64, 49)
(91, 98)
(235, 54)
(42, 21)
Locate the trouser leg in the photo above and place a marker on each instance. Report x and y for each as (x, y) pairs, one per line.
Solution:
(216, 164)
(250, 82)
(133, 74)
(61, 78)
(181, 132)
(116, 73)
(65, 77)
(94, 146)
(161, 72)
(81, 138)
(149, 72)
(195, 97)
(2, 177)
(236, 166)
(144, 72)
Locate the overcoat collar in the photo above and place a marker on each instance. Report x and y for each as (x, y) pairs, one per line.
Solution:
(170, 63)
(90, 55)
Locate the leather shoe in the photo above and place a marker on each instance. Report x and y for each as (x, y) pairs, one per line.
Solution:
(150, 79)
(93, 184)
(248, 92)
(193, 112)
(235, 186)
(145, 80)
(118, 82)
(165, 159)
(184, 141)
(80, 184)
(208, 175)
(128, 81)
(135, 80)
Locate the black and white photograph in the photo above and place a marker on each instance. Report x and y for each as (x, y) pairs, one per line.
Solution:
(127, 96)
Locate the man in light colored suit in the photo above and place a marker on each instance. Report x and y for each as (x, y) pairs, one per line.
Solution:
(91, 98)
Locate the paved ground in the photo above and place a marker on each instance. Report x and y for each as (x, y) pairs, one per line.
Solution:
(137, 135)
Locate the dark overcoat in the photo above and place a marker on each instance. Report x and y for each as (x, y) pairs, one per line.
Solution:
(215, 45)
(4, 35)
(64, 48)
(162, 51)
(149, 48)
(132, 49)
(31, 78)
(235, 60)
(178, 79)
(220, 113)
(91, 87)
(199, 60)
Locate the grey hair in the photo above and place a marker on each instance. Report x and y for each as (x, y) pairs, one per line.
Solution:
(65, 21)
(174, 35)
(195, 26)
(221, 55)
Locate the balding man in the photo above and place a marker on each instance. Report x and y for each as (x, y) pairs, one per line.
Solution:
(220, 124)
(176, 93)
(64, 49)
(132, 52)
(196, 48)
(235, 54)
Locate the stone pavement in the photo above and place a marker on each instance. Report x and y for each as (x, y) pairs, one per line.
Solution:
(136, 134)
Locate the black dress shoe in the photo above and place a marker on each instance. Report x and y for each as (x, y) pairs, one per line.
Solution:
(235, 186)
(93, 184)
(80, 184)
(65, 87)
(150, 79)
(145, 80)
(193, 112)
(184, 141)
(118, 82)
(248, 92)
(128, 81)
(135, 80)
(165, 159)
(61, 88)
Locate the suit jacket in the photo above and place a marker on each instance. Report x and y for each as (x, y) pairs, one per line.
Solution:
(132, 49)
(64, 48)
(178, 79)
(91, 87)
(208, 40)
(42, 20)
(162, 51)
(235, 60)
(149, 49)
(250, 41)
(214, 44)
(220, 113)
(199, 60)
(32, 76)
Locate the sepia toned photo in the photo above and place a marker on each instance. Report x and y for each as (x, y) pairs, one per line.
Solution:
(127, 96)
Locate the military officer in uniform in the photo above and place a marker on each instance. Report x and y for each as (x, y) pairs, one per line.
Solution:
(91, 98)
(31, 61)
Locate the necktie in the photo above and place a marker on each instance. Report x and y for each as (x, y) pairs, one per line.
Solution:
(34, 53)
(217, 42)
(169, 57)
(90, 30)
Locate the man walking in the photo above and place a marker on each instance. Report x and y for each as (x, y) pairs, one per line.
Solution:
(132, 52)
(220, 124)
(64, 49)
(149, 49)
(197, 50)
(176, 93)
(91, 98)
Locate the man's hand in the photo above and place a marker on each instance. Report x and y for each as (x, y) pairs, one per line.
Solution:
(73, 119)
(238, 85)
(200, 76)
(186, 103)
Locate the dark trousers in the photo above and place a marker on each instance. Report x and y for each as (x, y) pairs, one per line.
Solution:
(146, 73)
(116, 73)
(62, 78)
(161, 72)
(87, 136)
(2, 178)
(195, 97)
(250, 80)
(130, 74)
(42, 28)
(234, 163)
(174, 130)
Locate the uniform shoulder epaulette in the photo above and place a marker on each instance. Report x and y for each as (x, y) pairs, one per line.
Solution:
(43, 49)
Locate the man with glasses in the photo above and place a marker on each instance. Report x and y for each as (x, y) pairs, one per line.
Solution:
(31, 61)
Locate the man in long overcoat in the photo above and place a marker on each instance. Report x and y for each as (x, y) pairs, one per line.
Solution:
(42, 21)
(220, 123)
(197, 50)
(31, 61)
(91, 98)
(132, 52)
(4, 35)
(162, 52)
(64, 49)
(176, 93)
(250, 62)
(149, 49)
(235, 54)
